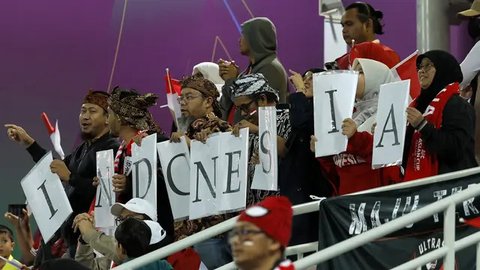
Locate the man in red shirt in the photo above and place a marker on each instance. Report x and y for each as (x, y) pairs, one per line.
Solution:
(361, 23)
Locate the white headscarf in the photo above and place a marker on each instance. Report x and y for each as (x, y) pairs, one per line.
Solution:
(376, 74)
(210, 71)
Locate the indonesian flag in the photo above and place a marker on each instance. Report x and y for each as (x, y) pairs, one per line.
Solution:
(54, 135)
(173, 89)
(474, 222)
(407, 69)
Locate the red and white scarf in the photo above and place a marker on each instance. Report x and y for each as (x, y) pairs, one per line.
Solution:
(421, 162)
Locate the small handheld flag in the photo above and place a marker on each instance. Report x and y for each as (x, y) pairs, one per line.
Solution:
(54, 134)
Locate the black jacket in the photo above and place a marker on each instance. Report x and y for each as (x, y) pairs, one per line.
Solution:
(299, 172)
(453, 142)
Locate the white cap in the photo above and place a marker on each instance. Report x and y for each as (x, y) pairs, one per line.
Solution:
(136, 205)
(158, 233)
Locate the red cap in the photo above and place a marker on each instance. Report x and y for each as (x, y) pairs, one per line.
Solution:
(273, 216)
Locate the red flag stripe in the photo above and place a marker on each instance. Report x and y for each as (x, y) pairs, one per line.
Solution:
(48, 125)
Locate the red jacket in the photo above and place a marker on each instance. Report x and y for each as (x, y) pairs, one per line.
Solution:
(353, 168)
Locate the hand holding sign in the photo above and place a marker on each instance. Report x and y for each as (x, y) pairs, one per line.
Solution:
(414, 117)
(119, 182)
(246, 124)
(60, 168)
(349, 127)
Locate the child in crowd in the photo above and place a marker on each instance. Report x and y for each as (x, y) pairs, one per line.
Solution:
(136, 238)
(6, 249)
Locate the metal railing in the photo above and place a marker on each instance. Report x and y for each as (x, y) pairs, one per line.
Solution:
(297, 210)
(202, 236)
(447, 205)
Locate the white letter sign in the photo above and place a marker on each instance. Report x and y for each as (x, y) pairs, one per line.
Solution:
(389, 136)
(333, 99)
(175, 161)
(105, 196)
(144, 162)
(46, 197)
(265, 176)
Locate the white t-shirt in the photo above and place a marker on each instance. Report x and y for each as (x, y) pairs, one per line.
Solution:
(470, 65)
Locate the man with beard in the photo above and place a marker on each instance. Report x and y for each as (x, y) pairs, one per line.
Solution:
(78, 169)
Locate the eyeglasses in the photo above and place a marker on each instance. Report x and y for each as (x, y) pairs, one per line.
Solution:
(187, 98)
(426, 67)
(245, 107)
(243, 233)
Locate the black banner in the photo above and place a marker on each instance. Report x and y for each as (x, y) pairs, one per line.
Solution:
(347, 216)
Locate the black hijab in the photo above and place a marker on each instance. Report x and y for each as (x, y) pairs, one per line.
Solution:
(447, 71)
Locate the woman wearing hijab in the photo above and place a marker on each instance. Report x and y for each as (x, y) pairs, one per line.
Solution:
(352, 169)
(441, 124)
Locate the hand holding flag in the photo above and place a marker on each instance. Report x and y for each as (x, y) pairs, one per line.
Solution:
(54, 135)
(173, 89)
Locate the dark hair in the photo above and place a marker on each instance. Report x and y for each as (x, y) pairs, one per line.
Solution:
(61, 264)
(271, 97)
(365, 12)
(134, 236)
(216, 106)
(313, 70)
(5, 229)
(474, 28)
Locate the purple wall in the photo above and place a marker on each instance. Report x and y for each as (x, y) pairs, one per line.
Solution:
(180, 34)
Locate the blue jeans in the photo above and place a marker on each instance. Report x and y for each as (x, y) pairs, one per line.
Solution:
(214, 252)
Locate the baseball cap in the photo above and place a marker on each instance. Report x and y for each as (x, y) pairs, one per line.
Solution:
(158, 233)
(136, 205)
(473, 11)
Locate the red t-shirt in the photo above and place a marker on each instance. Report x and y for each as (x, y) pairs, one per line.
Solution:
(370, 50)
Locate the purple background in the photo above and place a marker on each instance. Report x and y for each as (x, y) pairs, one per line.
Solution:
(52, 51)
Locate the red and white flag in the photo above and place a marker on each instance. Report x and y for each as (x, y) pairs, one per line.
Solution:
(54, 135)
(173, 89)
(407, 70)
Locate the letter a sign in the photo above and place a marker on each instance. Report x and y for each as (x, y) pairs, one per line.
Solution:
(46, 197)
(333, 98)
(389, 136)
